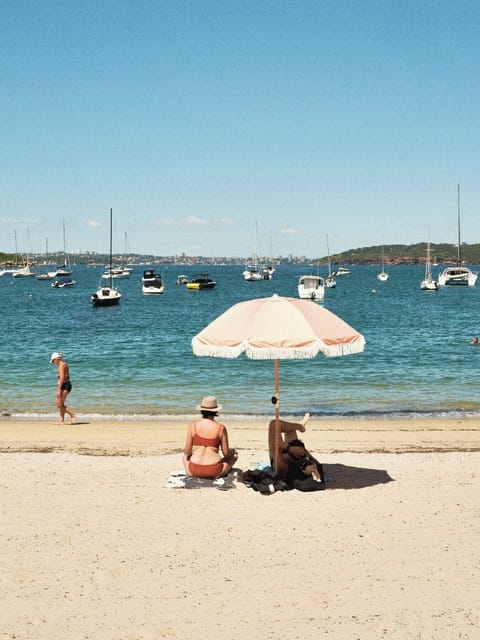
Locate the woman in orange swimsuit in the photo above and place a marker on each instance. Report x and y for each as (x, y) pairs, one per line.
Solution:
(201, 457)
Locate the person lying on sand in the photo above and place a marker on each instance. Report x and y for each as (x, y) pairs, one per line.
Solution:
(289, 444)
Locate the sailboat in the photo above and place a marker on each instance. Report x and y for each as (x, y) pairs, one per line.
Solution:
(458, 275)
(428, 283)
(25, 271)
(107, 296)
(251, 272)
(330, 281)
(382, 276)
(118, 271)
(45, 275)
(64, 271)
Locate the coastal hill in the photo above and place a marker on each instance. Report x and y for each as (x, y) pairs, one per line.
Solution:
(408, 254)
(394, 254)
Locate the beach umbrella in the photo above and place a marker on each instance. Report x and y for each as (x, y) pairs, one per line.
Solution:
(277, 328)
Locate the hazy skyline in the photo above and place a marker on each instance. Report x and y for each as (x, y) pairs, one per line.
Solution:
(194, 119)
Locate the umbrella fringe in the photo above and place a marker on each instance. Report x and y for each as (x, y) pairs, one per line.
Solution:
(343, 349)
(287, 353)
(281, 354)
(216, 352)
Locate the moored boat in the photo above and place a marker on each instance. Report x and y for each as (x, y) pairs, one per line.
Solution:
(200, 281)
(152, 282)
(107, 296)
(63, 282)
(458, 275)
(311, 288)
(428, 283)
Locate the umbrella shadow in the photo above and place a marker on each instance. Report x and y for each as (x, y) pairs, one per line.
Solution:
(341, 476)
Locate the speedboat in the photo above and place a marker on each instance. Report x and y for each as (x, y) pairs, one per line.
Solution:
(152, 282)
(182, 279)
(200, 281)
(62, 283)
(311, 288)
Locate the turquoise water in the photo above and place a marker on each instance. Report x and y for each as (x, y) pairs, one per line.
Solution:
(136, 359)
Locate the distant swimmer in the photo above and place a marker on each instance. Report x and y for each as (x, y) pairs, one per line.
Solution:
(474, 340)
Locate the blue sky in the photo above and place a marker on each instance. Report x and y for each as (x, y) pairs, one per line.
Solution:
(193, 119)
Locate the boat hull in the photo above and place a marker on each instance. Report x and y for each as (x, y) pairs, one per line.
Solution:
(106, 297)
(457, 276)
(311, 288)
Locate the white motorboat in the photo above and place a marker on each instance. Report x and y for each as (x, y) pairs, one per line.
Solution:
(182, 279)
(459, 274)
(311, 288)
(152, 282)
(107, 296)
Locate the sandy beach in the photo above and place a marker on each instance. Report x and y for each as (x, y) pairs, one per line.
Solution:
(94, 546)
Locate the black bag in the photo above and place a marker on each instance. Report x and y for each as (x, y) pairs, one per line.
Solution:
(299, 474)
(263, 482)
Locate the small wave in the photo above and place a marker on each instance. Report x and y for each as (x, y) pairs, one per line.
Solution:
(246, 417)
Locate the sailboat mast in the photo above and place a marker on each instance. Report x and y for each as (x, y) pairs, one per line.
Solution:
(328, 258)
(459, 260)
(110, 262)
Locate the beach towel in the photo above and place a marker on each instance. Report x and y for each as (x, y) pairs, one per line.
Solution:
(179, 480)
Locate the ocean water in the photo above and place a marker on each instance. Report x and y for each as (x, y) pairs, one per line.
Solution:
(136, 359)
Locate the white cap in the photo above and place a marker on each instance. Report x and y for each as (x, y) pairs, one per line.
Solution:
(55, 355)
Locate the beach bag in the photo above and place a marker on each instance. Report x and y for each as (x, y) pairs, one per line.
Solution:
(304, 474)
(264, 482)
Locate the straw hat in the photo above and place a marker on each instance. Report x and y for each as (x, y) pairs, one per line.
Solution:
(209, 403)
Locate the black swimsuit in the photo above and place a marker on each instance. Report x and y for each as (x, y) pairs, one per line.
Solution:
(66, 385)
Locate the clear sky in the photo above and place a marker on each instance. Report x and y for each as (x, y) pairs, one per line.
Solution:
(193, 119)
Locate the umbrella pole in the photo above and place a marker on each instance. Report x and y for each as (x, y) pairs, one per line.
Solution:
(277, 418)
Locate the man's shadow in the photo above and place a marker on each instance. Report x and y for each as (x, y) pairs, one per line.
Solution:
(341, 476)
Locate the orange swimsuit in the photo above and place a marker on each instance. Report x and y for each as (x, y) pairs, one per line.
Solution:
(206, 470)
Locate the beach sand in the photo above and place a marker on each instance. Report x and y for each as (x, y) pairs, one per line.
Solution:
(95, 547)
